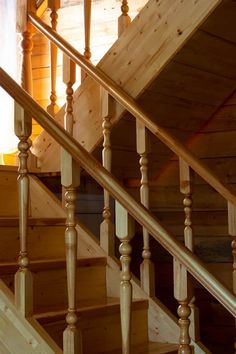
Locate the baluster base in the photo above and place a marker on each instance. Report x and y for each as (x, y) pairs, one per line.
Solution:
(24, 292)
(123, 23)
(107, 237)
(147, 277)
(185, 349)
(194, 329)
(52, 109)
(72, 341)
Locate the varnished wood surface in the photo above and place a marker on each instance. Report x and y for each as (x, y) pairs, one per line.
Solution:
(21, 335)
(91, 283)
(151, 348)
(195, 267)
(99, 323)
(13, 221)
(89, 308)
(47, 264)
(191, 76)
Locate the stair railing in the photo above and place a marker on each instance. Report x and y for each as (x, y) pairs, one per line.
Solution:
(182, 294)
(186, 156)
(185, 260)
(134, 108)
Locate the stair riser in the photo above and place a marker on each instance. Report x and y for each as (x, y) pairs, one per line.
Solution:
(44, 242)
(50, 288)
(103, 333)
(9, 195)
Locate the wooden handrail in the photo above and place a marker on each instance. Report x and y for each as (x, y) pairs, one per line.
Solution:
(131, 105)
(106, 180)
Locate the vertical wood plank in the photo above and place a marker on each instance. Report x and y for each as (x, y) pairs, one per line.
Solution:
(23, 277)
(125, 232)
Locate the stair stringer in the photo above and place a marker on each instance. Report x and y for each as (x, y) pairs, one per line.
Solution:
(43, 203)
(133, 62)
(162, 325)
(29, 336)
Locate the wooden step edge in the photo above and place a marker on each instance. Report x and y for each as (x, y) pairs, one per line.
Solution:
(89, 309)
(47, 174)
(150, 348)
(14, 221)
(7, 168)
(48, 264)
(156, 209)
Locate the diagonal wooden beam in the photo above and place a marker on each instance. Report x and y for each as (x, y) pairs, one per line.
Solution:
(133, 62)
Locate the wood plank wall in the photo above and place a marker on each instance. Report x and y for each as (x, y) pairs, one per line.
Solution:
(70, 25)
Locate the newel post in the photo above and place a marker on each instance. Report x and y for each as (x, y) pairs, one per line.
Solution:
(23, 277)
(125, 232)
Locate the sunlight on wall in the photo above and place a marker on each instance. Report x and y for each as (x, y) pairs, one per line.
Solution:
(104, 18)
(8, 61)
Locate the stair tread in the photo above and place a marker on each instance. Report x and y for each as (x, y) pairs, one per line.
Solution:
(93, 307)
(150, 348)
(37, 265)
(14, 221)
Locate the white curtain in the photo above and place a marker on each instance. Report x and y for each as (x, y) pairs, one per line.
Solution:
(9, 62)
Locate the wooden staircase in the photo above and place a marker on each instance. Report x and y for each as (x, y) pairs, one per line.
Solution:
(97, 302)
(155, 88)
(99, 317)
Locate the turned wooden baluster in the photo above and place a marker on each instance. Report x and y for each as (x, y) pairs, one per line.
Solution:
(70, 179)
(53, 108)
(186, 190)
(147, 268)
(125, 232)
(23, 277)
(124, 20)
(26, 31)
(232, 232)
(107, 237)
(184, 310)
(87, 28)
(87, 33)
